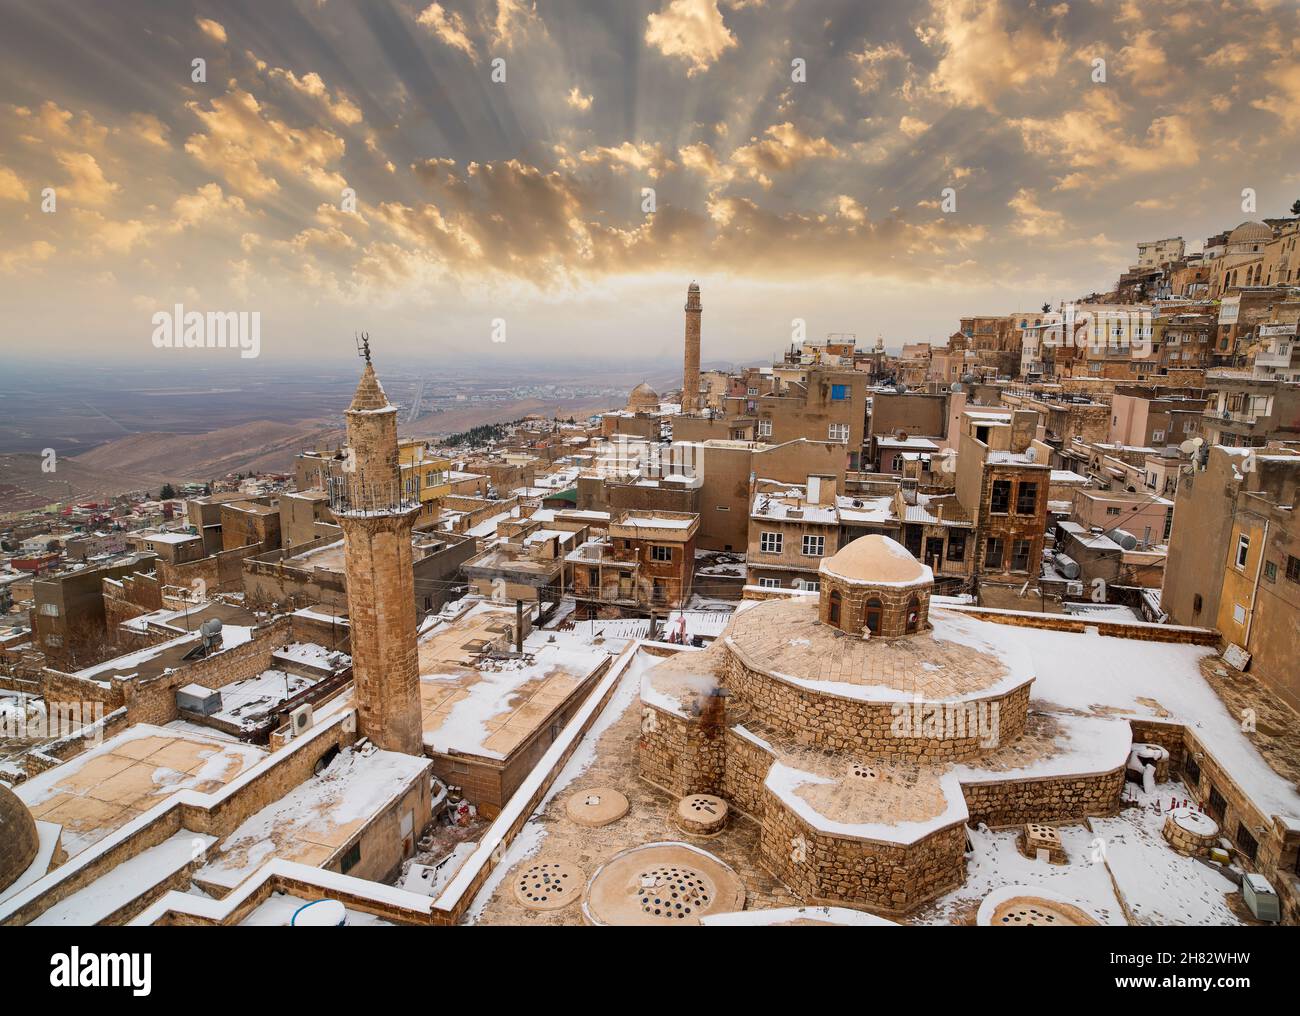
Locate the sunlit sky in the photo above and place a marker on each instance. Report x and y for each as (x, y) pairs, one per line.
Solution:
(523, 199)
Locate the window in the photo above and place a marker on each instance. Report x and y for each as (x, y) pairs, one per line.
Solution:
(1246, 842)
(1157, 435)
(808, 585)
(658, 553)
(1027, 499)
(1112, 510)
(1239, 613)
(53, 640)
(1243, 550)
(1191, 772)
(814, 546)
(769, 583)
(770, 543)
(1216, 806)
(957, 546)
(897, 465)
(1020, 555)
(835, 606)
(871, 615)
(764, 428)
(50, 609)
(751, 392)
(1270, 570)
(1000, 500)
(1292, 568)
(839, 432)
(1196, 603)
(993, 553)
(839, 393)
(351, 859)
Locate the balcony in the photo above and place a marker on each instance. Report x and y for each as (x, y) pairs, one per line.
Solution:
(1281, 357)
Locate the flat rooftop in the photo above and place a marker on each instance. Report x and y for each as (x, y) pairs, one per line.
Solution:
(490, 707)
(153, 660)
(319, 817)
(109, 785)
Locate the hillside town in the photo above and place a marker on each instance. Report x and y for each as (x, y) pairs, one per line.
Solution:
(998, 632)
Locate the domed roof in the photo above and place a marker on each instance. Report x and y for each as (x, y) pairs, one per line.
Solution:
(19, 841)
(643, 397)
(876, 560)
(1250, 232)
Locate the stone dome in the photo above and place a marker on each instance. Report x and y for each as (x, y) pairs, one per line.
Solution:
(1250, 232)
(875, 585)
(876, 560)
(19, 841)
(643, 397)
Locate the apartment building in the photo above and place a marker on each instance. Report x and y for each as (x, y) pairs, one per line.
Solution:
(1234, 558)
(645, 562)
(1002, 485)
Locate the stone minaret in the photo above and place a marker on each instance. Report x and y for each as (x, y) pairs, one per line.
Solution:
(376, 517)
(691, 370)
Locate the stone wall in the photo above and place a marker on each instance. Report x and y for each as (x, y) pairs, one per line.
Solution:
(681, 756)
(221, 572)
(1118, 629)
(886, 877)
(1055, 799)
(845, 724)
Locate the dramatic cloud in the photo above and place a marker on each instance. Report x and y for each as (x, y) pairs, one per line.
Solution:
(345, 160)
(449, 27)
(692, 30)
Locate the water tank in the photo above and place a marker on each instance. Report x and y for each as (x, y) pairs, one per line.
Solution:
(1066, 565)
(210, 629)
(1125, 539)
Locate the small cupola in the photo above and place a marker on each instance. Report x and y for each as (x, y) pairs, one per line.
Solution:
(875, 584)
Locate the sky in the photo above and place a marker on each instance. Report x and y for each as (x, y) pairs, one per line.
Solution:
(516, 180)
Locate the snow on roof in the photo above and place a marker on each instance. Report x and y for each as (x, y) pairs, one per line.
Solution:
(125, 882)
(1086, 671)
(315, 819)
(167, 537)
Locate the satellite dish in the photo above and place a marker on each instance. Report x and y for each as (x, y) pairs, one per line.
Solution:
(956, 388)
(1031, 454)
(1190, 446)
(319, 914)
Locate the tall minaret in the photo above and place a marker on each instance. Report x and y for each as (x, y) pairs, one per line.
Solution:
(691, 369)
(377, 517)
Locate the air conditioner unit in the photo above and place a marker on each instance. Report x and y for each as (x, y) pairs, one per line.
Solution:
(1260, 898)
(300, 720)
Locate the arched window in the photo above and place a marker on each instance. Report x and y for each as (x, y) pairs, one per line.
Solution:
(913, 614)
(835, 606)
(871, 615)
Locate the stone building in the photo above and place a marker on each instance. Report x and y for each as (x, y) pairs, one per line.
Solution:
(1002, 485)
(68, 618)
(1234, 558)
(376, 514)
(645, 562)
(862, 730)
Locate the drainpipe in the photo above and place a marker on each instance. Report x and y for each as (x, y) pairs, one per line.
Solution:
(1254, 591)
